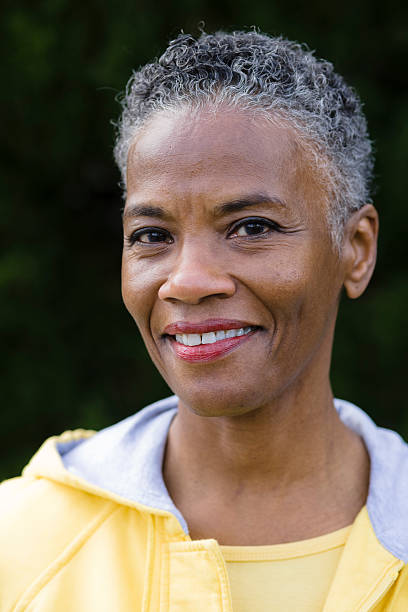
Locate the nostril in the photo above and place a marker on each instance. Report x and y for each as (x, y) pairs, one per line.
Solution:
(194, 286)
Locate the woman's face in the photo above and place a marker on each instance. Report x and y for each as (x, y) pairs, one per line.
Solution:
(225, 231)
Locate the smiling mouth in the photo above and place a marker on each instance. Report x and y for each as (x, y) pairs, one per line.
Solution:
(207, 346)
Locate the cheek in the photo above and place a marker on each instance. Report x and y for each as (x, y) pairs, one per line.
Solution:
(282, 283)
(139, 290)
(300, 293)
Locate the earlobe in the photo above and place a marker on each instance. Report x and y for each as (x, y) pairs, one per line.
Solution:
(360, 249)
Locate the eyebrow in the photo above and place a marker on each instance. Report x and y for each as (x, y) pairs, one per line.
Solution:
(255, 199)
(143, 210)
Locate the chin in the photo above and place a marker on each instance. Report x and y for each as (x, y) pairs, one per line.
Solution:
(220, 403)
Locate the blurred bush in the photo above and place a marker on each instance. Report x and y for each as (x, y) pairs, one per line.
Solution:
(71, 355)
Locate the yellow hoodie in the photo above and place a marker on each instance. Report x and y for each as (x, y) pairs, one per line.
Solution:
(90, 526)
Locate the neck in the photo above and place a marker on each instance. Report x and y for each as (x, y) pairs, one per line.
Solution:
(293, 451)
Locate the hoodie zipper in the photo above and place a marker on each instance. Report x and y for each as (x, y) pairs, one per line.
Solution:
(382, 588)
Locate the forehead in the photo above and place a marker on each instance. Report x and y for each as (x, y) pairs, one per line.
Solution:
(218, 155)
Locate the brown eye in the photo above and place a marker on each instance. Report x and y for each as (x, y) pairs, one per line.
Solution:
(252, 228)
(150, 235)
(255, 226)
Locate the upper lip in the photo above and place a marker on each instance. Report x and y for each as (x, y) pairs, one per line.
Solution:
(202, 327)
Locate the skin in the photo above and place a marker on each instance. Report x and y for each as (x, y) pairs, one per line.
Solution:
(257, 454)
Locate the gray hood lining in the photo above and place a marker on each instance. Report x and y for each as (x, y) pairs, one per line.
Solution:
(126, 459)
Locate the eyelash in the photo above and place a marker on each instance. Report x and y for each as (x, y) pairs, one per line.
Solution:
(133, 238)
(256, 221)
(248, 221)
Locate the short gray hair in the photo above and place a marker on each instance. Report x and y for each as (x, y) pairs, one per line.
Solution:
(273, 75)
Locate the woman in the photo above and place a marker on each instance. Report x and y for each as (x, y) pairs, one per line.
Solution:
(246, 166)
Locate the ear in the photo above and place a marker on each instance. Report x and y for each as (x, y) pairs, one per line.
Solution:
(360, 249)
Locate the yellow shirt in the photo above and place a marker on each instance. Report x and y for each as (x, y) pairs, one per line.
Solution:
(293, 577)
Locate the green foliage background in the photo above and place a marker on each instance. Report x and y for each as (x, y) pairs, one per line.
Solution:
(71, 356)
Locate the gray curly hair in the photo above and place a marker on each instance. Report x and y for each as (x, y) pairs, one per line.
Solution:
(277, 77)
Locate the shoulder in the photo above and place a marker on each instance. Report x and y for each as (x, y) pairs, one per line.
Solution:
(39, 520)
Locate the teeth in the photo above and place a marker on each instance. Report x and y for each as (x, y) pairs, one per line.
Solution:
(208, 338)
(192, 339)
(189, 339)
(211, 337)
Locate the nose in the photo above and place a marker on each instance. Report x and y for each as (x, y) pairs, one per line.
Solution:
(197, 274)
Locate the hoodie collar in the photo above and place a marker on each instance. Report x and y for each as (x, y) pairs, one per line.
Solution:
(387, 501)
(126, 459)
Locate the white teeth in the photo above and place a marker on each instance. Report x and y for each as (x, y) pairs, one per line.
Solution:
(189, 339)
(193, 339)
(211, 337)
(208, 338)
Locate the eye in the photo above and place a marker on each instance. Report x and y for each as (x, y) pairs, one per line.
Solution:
(150, 235)
(255, 226)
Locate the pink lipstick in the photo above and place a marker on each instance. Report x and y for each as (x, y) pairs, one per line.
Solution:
(207, 340)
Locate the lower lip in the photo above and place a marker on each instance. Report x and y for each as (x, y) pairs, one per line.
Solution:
(208, 352)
